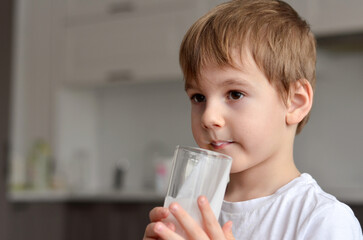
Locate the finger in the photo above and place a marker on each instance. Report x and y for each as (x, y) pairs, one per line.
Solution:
(227, 230)
(150, 233)
(211, 224)
(158, 213)
(165, 233)
(170, 225)
(150, 230)
(192, 229)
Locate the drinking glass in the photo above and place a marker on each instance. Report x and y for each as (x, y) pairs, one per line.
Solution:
(197, 172)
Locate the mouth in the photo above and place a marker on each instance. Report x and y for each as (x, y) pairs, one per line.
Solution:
(220, 144)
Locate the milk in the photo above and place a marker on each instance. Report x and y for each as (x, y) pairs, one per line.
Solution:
(190, 205)
(197, 172)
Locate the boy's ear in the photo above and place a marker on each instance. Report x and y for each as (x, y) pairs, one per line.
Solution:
(299, 102)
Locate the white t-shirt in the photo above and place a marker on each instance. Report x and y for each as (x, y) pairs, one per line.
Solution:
(298, 210)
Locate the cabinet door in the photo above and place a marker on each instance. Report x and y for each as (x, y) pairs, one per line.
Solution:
(95, 10)
(82, 8)
(107, 221)
(140, 48)
(32, 93)
(329, 17)
(336, 16)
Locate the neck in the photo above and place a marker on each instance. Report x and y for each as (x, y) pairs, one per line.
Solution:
(261, 180)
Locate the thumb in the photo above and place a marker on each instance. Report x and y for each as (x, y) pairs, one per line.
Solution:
(227, 230)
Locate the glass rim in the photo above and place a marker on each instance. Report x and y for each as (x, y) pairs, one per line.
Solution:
(205, 151)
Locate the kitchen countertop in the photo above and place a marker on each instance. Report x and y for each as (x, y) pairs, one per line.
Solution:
(66, 196)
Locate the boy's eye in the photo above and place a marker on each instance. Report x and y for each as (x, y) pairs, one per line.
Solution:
(198, 98)
(235, 95)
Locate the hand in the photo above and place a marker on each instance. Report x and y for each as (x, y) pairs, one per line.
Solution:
(212, 229)
(156, 215)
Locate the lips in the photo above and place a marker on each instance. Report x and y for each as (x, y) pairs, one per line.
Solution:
(220, 144)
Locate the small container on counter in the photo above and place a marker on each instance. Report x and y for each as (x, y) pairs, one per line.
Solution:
(162, 174)
(120, 170)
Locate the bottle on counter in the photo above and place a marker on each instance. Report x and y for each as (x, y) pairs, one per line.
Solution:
(39, 166)
(162, 174)
(120, 171)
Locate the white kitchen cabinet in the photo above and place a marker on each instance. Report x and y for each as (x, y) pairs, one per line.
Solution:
(136, 47)
(136, 41)
(38, 98)
(76, 9)
(331, 17)
(32, 85)
(94, 10)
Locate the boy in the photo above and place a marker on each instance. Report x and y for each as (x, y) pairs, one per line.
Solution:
(249, 69)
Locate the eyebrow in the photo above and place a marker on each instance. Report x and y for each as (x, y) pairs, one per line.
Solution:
(239, 81)
(188, 86)
(228, 82)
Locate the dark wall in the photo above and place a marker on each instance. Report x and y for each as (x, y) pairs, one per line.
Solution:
(6, 8)
(358, 211)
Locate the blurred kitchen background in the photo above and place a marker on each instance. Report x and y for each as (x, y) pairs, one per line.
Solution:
(92, 106)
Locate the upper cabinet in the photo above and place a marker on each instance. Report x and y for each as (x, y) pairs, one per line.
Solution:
(331, 17)
(136, 41)
(121, 41)
(80, 10)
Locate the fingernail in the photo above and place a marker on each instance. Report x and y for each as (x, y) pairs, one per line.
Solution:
(164, 212)
(202, 200)
(174, 207)
(230, 224)
(159, 227)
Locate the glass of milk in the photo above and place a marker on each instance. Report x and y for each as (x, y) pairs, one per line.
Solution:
(197, 172)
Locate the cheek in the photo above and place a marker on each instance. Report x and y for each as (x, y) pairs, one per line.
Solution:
(196, 126)
(248, 131)
(258, 127)
(194, 120)
(266, 129)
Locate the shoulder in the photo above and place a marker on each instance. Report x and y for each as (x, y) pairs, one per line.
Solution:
(334, 220)
(325, 216)
(304, 192)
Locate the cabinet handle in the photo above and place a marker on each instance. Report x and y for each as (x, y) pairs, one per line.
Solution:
(120, 7)
(120, 76)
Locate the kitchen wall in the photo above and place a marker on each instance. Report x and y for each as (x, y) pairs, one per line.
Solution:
(137, 121)
(133, 125)
(129, 126)
(140, 123)
(330, 146)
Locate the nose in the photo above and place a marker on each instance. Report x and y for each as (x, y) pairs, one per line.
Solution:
(212, 116)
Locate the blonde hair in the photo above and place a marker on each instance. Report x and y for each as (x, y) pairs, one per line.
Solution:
(280, 42)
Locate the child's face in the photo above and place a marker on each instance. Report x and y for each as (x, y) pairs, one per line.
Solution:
(239, 113)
